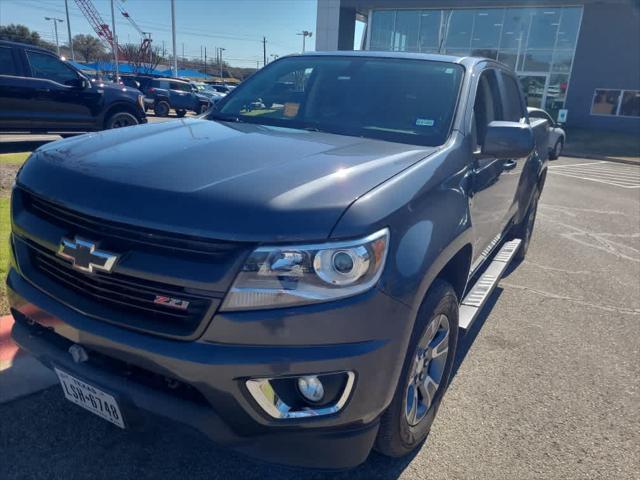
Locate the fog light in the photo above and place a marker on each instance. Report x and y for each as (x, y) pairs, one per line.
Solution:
(311, 388)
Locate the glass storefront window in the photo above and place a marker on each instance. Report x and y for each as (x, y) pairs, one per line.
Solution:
(407, 31)
(537, 42)
(382, 29)
(630, 105)
(486, 28)
(508, 58)
(562, 60)
(516, 27)
(605, 102)
(544, 28)
(460, 25)
(569, 26)
(537, 61)
(430, 28)
(556, 94)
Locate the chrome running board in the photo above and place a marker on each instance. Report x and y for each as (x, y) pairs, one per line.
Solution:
(478, 294)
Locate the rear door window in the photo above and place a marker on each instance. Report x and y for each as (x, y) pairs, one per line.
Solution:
(183, 87)
(49, 67)
(7, 63)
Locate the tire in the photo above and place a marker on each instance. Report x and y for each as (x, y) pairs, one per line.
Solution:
(121, 119)
(181, 113)
(402, 427)
(556, 151)
(162, 108)
(204, 108)
(524, 230)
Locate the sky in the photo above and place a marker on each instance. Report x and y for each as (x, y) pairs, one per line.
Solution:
(236, 25)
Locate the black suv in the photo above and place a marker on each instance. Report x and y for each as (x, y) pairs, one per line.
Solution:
(163, 94)
(41, 93)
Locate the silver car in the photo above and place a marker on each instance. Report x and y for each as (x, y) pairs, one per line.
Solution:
(557, 135)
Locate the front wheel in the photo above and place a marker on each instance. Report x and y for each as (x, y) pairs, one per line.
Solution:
(203, 108)
(425, 374)
(121, 119)
(181, 113)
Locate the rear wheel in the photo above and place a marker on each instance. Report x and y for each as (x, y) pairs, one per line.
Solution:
(181, 113)
(121, 119)
(557, 150)
(524, 230)
(425, 375)
(161, 108)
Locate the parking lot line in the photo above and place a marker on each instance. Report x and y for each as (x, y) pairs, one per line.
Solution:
(623, 176)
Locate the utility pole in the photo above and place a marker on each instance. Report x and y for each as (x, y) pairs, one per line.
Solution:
(205, 60)
(55, 28)
(114, 45)
(173, 36)
(220, 61)
(305, 34)
(264, 50)
(66, 7)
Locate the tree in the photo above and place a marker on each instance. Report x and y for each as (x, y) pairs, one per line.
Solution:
(88, 47)
(20, 33)
(144, 59)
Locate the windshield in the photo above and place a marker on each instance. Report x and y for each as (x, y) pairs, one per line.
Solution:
(400, 100)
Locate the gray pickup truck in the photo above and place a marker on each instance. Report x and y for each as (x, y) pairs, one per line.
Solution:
(290, 279)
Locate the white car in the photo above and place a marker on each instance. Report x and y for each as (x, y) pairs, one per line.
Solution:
(557, 136)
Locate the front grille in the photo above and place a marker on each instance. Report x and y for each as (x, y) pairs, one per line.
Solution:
(123, 293)
(152, 264)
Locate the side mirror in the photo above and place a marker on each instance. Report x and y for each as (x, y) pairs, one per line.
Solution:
(79, 82)
(508, 140)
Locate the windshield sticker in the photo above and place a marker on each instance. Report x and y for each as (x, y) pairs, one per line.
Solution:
(449, 70)
(291, 109)
(424, 122)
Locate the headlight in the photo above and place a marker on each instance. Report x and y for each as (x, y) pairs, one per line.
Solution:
(300, 274)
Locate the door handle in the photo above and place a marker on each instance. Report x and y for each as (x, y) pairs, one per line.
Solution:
(43, 90)
(510, 164)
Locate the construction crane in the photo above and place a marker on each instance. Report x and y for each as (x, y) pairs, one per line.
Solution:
(98, 24)
(103, 31)
(146, 36)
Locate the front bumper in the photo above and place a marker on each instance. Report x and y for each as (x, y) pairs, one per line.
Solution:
(365, 334)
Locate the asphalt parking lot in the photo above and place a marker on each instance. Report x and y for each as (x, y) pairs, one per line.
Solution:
(546, 383)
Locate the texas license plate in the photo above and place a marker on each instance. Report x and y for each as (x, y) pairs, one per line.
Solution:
(90, 398)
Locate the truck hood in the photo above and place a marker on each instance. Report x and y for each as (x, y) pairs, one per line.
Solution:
(228, 181)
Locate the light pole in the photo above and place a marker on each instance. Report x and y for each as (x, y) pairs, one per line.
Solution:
(220, 50)
(55, 28)
(115, 44)
(66, 8)
(305, 34)
(274, 56)
(173, 35)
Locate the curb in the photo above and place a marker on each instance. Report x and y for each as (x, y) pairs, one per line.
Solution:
(20, 373)
(589, 156)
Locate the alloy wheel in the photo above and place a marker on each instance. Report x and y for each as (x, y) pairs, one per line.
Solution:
(427, 369)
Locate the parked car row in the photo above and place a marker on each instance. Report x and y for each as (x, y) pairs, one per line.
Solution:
(41, 93)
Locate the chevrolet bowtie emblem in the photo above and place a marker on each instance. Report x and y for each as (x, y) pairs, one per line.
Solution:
(84, 255)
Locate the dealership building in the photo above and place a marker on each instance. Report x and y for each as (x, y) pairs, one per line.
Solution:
(580, 59)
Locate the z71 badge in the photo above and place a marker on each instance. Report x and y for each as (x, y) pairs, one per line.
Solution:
(171, 302)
